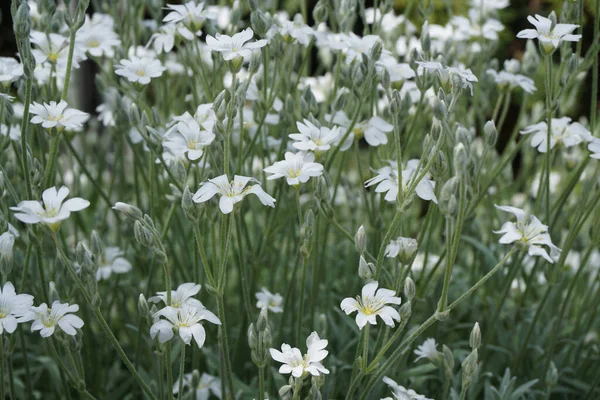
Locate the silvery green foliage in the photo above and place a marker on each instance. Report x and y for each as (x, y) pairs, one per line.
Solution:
(435, 234)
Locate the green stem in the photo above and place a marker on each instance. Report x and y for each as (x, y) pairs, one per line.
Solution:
(302, 289)
(181, 370)
(228, 378)
(548, 82)
(49, 169)
(109, 334)
(2, 386)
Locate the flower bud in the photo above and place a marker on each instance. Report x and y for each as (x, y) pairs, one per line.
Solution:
(384, 78)
(405, 311)
(448, 356)
(440, 164)
(21, 22)
(463, 135)
(439, 109)
(425, 39)
(475, 338)
(52, 293)
(320, 12)
(143, 235)
(97, 247)
(491, 134)
(469, 367)
(360, 240)
(376, 50)
(129, 210)
(142, 305)
(255, 62)
(252, 337)
(263, 319)
(307, 228)
(365, 270)
(259, 22)
(407, 248)
(461, 160)
(551, 378)
(409, 288)
(134, 115)
(267, 338)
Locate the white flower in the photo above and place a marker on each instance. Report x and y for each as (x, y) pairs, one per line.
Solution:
(273, 301)
(298, 365)
(374, 130)
(474, 27)
(97, 36)
(401, 247)
(58, 116)
(234, 46)
(13, 131)
(532, 234)
(12, 306)
(563, 131)
(321, 86)
(313, 138)
(180, 297)
(191, 14)
(47, 319)
(189, 139)
(296, 168)
(594, 147)
(504, 78)
(465, 76)
(10, 69)
(231, 192)
(548, 36)
(208, 384)
(140, 69)
(292, 31)
(164, 40)
(186, 320)
(356, 46)
(387, 181)
(427, 350)
(112, 262)
(401, 393)
(372, 303)
(54, 48)
(399, 72)
(52, 210)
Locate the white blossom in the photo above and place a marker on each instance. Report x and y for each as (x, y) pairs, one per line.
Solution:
(313, 138)
(563, 132)
(273, 301)
(427, 350)
(189, 138)
(51, 210)
(185, 321)
(235, 46)
(529, 232)
(298, 365)
(46, 319)
(549, 36)
(58, 116)
(140, 69)
(374, 130)
(371, 303)
(10, 69)
(232, 192)
(208, 385)
(401, 393)
(112, 262)
(401, 247)
(464, 76)
(296, 168)
(387, 181)
(12, 307)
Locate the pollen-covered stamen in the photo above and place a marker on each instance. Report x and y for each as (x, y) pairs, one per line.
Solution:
(370, 305)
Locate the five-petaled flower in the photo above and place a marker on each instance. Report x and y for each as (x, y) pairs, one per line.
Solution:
(58, 116)
(12, 306)
(387, 181)
(236, 46)
(563, 131)
(46, 319)
(371, 303)
(428, 350)
(298, 365)
(232, 192)
(296, 168)
(139, 69)
(528, 232)
(185, 320)
(314, 138)
(273, 301)
(549, 36)
(52, 210)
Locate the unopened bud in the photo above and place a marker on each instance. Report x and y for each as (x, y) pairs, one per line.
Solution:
(97, 247)
(475, 338)
(409, 288)
(129, 210)
(365, 270)
(53, 293)
(439, 109)
(360, 240)
(252, 337)
(308, 226)
(142, 305)
(448, 356)
(134, 115)
(22, 24)
(142, 234)
(461, 160)
(263, 319)
(491, 134)
(405, 311)
(320, 12)
(551, 375)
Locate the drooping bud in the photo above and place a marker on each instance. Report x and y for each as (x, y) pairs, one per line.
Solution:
(130, 211)
(143, 308)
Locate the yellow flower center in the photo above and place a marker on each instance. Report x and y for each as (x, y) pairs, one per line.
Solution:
(93, 43)
(140, 72)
